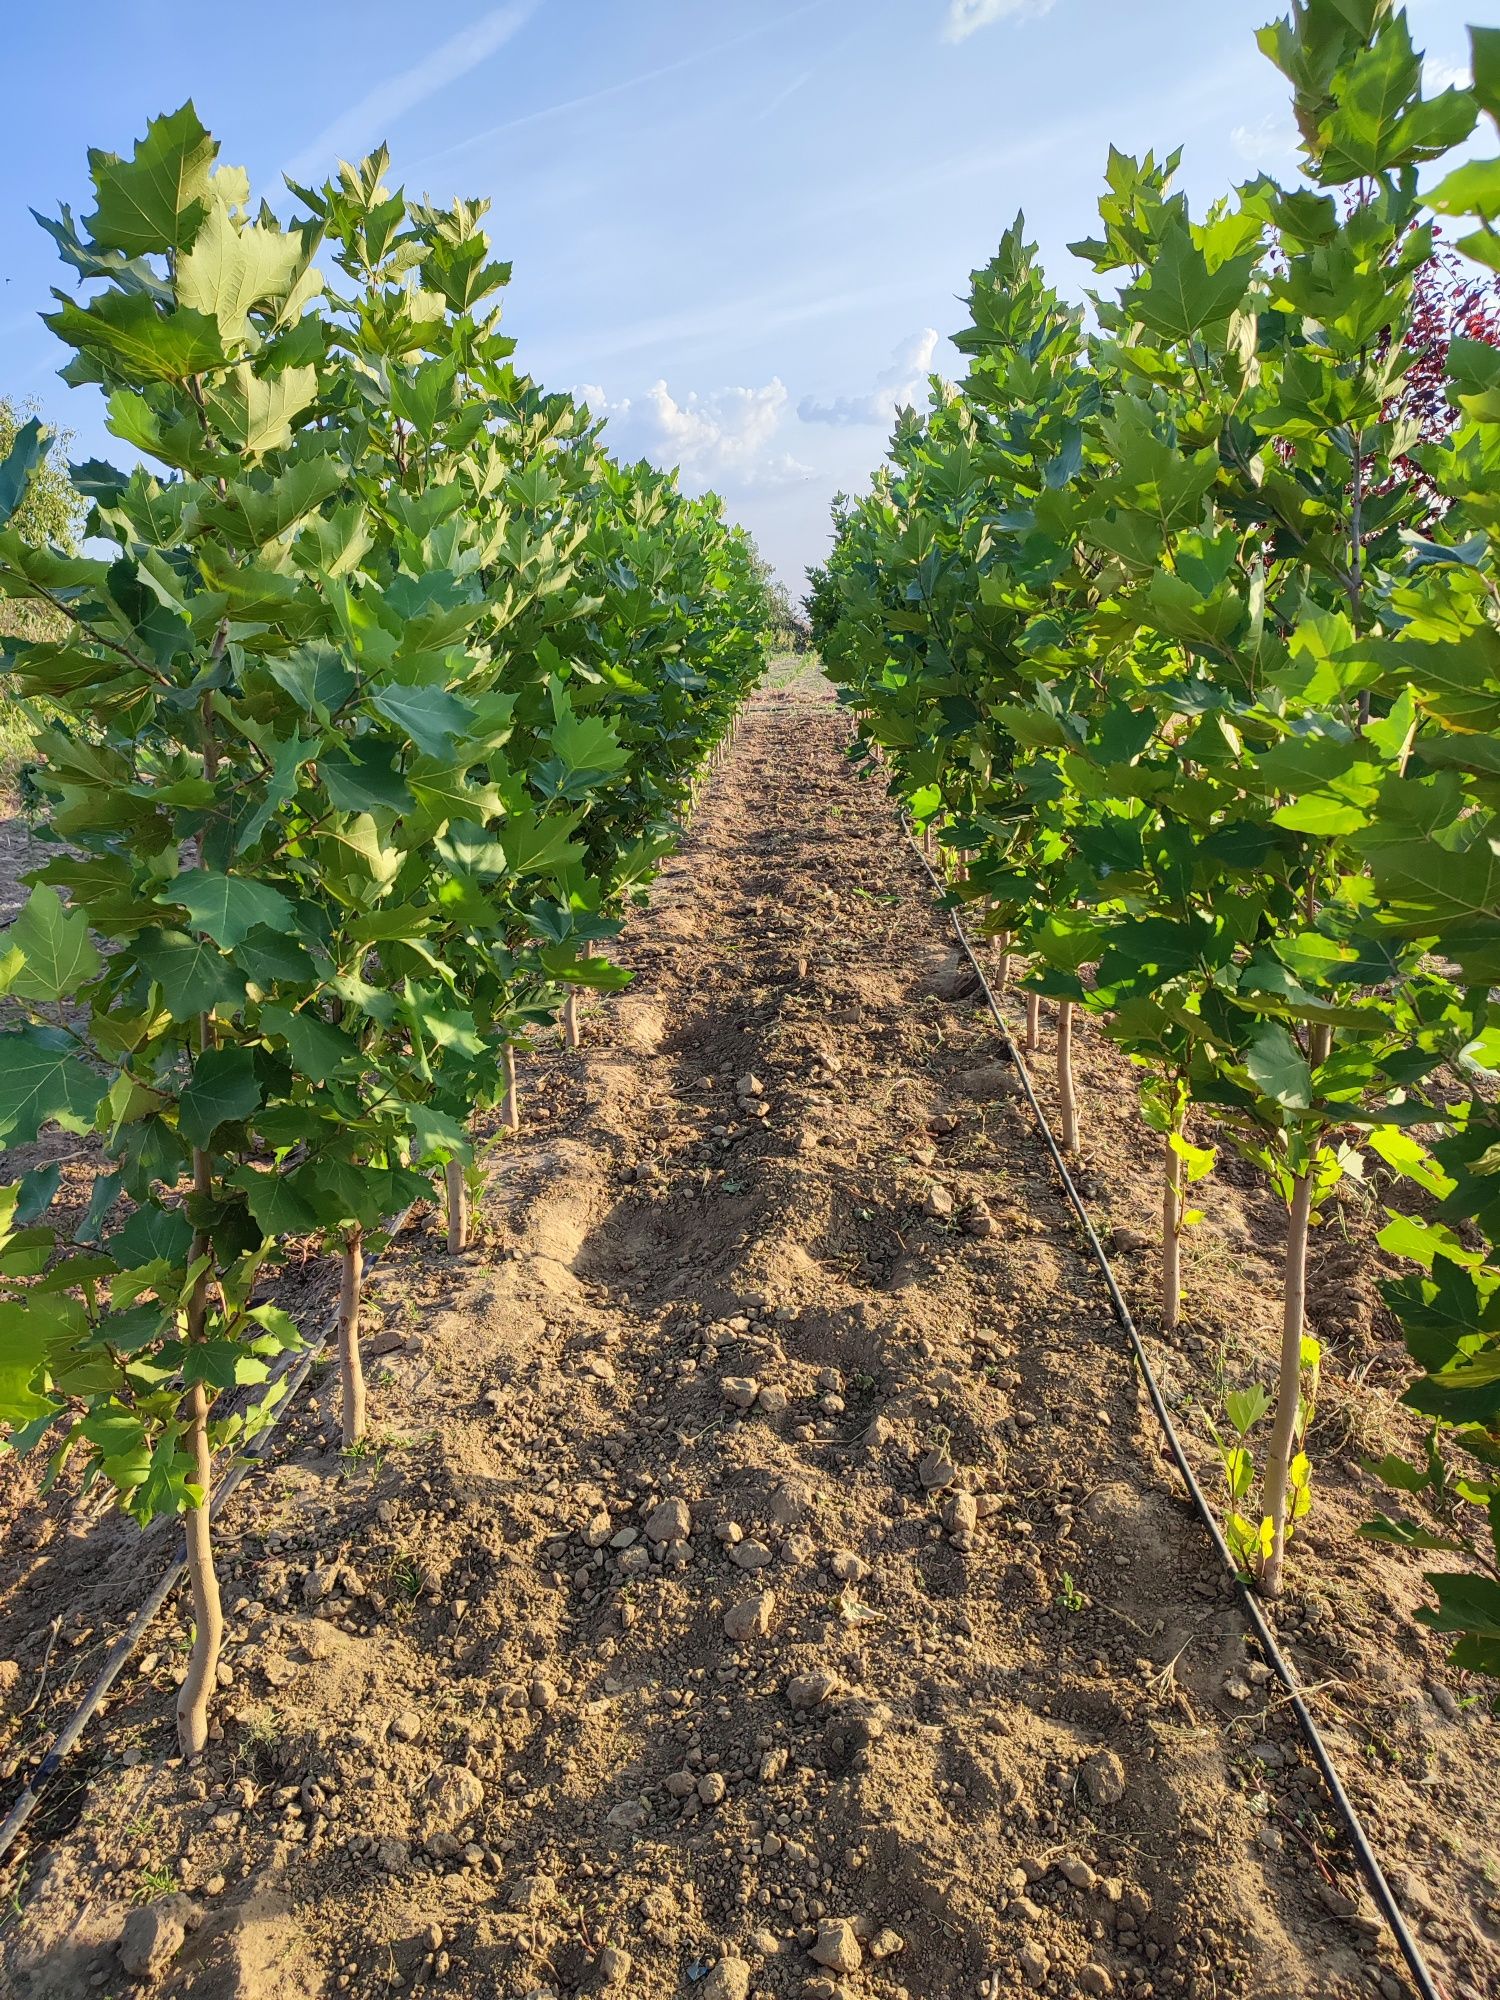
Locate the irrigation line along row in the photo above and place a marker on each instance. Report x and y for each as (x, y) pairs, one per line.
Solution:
(66, 1740)
(1280, 1665)
(124, 1646)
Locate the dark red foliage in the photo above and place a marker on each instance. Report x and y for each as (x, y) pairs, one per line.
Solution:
(1451, 300)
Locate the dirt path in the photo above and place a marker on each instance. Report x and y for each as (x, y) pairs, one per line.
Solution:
(822, 1358)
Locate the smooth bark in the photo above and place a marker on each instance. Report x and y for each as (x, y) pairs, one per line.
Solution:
(1171, 1236)
(203, 1588)
(351, 1368)
(1293, 1320)
(458, 1207)
(1289, 1386)
(510, 1104)
(1066, 1096)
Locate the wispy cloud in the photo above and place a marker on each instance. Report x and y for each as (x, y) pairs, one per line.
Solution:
(817, 297)
(901, 385)
(967, 17)
(1272, 141)
(790, 90)
(366, 123)
(1192, 106)
(626, 84)
(558, 110)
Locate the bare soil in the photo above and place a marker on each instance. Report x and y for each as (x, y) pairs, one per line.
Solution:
(776, 1316)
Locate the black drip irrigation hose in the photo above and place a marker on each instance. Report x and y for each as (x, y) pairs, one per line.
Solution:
(118, 1656)
(1281, 1666)
(122, 1649)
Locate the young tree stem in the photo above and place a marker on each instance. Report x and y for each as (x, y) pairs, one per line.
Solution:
(351, 1368)
(203, 1582)
(510, 1104)
(570, 1005)
(458, 1207)
(203, 1587)
(1289, 1386)
(1066, 1096)
(1171, 1236)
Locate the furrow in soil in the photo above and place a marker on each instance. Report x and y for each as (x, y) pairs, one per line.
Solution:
(764, 1572)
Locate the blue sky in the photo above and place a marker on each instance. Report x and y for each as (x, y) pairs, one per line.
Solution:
(744, 226)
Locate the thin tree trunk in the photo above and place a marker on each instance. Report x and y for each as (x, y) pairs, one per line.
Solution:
(1171, 1236)
(1067, 1101)
(203, 1586)
(1033, 1023)
(510, 1104)
(458, 1208)
(1293, 1317)
(1002, 984)
(351, 1368)
(203, 1582)
(1357, 556)
(570, 1005)
(1289, 1387)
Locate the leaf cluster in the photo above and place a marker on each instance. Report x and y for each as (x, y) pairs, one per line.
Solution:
(379, 689)
(1152, 618)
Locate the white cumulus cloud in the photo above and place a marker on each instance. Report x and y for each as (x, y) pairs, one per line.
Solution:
(967, 17)
(727, 438)
(1446, 73)
(903, 383)
(600, 403)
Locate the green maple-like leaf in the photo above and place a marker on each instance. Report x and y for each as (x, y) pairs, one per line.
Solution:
(127, 334)
(430, 716)
(28, 450)
(274, 1203)
(234, 267)
(228, 907)
(318, 1049)
(1381, 121)
(193, 974)
(157, 199)
(224, 1090)
(1278, 1068)
(57, 953)
(1184, 295)
(261, 509)
(365, 777)
(1469, 1604)
(255, 413)
(42, 1081)
(37, 1332)
(316, 678)
(155, 1234)
(539, 844)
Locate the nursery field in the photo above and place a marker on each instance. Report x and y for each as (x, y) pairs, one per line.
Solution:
(697, 1300)
(754, 1580)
